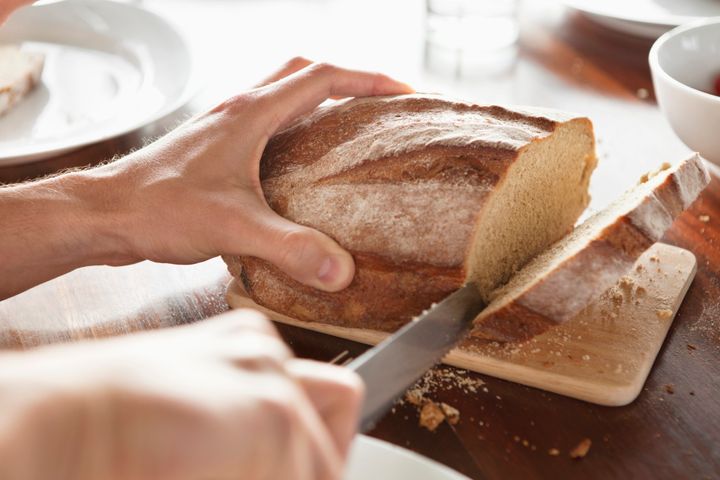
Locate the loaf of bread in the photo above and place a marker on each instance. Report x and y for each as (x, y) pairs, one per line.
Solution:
(426, 193)
(19, 73)
(566, 278)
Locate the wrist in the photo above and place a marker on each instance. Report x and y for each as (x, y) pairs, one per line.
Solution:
(97, 210)
(55, 225)
(72, 220)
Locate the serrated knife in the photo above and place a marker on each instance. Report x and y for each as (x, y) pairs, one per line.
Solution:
(396, 363)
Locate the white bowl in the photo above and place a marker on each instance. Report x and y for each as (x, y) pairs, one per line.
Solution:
(684, 63)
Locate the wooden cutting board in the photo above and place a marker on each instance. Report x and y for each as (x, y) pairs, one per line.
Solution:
(602, 356)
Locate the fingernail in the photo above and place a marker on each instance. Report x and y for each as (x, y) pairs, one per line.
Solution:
(334, 274)
(408, 88)
(328, 269)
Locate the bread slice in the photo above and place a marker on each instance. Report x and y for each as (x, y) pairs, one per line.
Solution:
(566, 278)
(19, 73)
(426, 193)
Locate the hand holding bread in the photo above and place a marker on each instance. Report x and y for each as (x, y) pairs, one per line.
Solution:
(190, 196)
(196, 193)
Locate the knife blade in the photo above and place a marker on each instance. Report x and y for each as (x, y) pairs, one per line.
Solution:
(396, 363)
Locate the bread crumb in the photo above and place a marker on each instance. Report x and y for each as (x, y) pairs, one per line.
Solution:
(581, 449)
(704, 218)
(640, 291)
(670, 388)
(554, 452)
(414, 397)
(442, 379)
(586, 357)
(452, 414)
(663, 314)
(626, 283)
(431, 416)
(654, 258)
(616, 297)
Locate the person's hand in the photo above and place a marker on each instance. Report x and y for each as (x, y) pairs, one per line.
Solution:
(196, 192)
(190, 196)
(222, 399)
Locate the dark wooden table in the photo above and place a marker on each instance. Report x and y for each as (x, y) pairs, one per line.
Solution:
(564, 61)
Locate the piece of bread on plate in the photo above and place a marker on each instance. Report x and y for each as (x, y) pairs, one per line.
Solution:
(20, 72)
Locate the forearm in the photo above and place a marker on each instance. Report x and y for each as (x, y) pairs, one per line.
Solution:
(53, 226)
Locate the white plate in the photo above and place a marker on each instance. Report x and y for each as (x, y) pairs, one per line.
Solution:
(646, 18)
(110, 68)
(377, 460)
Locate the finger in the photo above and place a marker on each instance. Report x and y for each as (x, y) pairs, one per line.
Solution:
(309, 451)
(292, 66)
(284, 438)
(326, 460)
(249, 340)
(306, 255)
(306, 89)
(336, 394)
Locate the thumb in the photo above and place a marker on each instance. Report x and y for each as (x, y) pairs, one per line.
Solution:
(305, 254)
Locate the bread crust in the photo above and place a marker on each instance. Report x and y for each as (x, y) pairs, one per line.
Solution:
(401, 195)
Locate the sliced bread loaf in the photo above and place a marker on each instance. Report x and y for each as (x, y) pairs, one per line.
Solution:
(567, 277)
(426, 193)
(19, 73)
